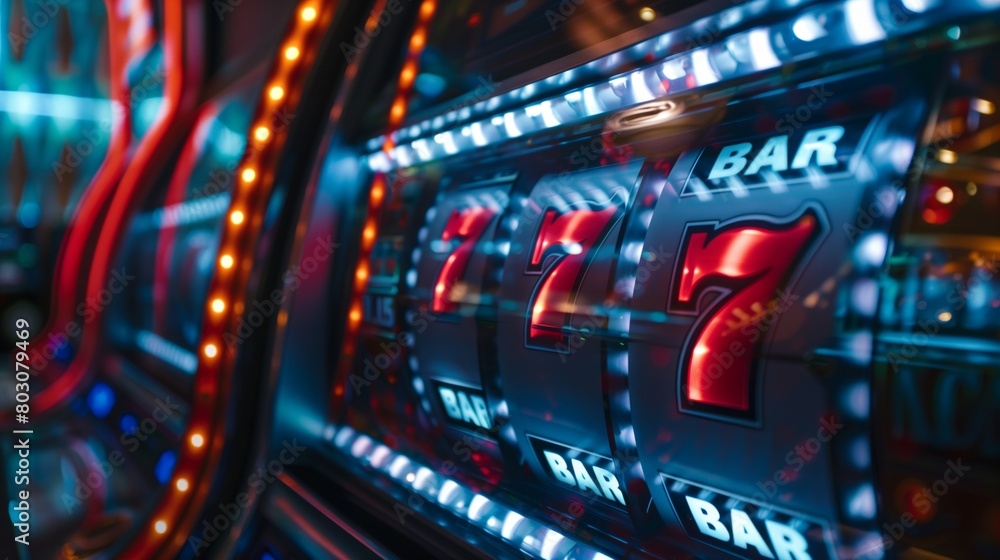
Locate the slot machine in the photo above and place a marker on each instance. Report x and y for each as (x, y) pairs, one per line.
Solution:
(546, 279)
(691, 280)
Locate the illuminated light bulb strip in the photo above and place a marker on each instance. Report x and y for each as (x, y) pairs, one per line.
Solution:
(656, 47)
(202, 445)
(853, 23)
(397, 112)
(500, 521)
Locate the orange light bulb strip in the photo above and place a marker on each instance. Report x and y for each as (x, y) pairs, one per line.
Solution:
(174, 517)
(397, 112)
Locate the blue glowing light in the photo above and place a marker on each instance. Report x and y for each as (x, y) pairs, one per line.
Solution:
(840, 25)
(165, 466)
(530, 536)
(29, 215)
(430, 85)
(101, 399)
(64, 352)
(54, 105)
(128, 424)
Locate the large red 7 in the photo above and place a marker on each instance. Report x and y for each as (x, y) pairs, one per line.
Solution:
(749, 262)
(466, 227)
(561, 248)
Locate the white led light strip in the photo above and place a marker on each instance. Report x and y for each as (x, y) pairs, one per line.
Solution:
(157, 346)
(527, 535)
(852, 23)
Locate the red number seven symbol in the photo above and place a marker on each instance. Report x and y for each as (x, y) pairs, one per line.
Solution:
(748, 262)
(462, 230)
(562, 247)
